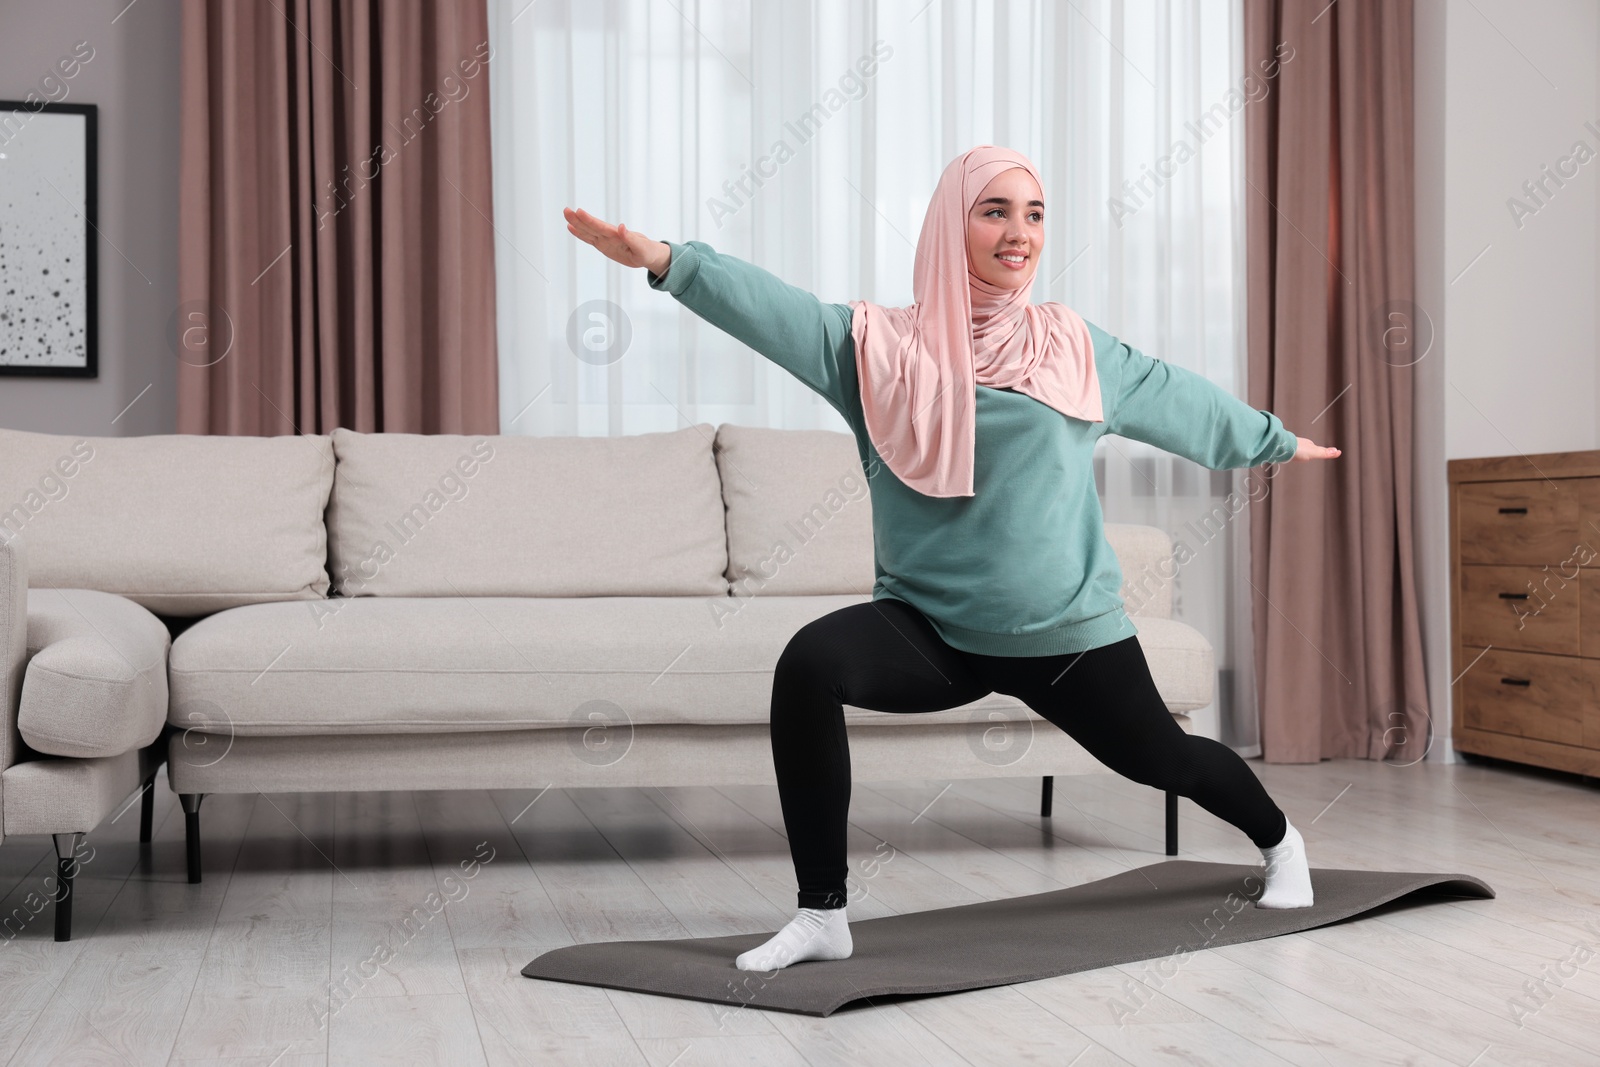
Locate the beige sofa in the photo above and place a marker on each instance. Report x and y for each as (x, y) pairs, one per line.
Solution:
(508, 612)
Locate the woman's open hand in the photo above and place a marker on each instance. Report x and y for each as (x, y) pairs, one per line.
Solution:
(628, 247)
(1308, 449)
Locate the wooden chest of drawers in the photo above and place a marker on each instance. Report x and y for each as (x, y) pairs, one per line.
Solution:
(1525, 611)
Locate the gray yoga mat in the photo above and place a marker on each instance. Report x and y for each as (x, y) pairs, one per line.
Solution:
(1165, 909)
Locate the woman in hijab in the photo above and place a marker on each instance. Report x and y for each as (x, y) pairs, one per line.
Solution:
(975, 412)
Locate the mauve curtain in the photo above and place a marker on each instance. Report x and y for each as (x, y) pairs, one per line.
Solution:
(1331, 336)
(335, 248)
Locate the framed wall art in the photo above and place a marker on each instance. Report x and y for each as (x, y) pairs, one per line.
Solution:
(47, 240)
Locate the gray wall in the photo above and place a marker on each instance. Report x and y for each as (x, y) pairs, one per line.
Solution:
(133, 77)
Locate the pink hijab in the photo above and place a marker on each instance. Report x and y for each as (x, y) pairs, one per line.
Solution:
(919, 365)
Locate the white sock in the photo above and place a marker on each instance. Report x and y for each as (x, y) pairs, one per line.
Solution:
(813, 934)
(1288, 873)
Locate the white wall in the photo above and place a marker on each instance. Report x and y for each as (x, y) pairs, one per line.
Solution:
(133, 76)
(1503, 89)
(1520, 365)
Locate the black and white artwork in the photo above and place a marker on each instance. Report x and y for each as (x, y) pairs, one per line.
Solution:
(47, 239)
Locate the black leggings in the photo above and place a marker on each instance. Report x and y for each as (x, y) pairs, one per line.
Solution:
(886, 656)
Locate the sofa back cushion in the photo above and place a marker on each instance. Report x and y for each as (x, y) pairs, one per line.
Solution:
(800, 521)
(1145, 555)
(183, 524)
(799, 513)
(509, 515)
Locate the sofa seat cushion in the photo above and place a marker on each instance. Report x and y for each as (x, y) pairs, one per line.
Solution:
(424, 664)
(96, 682)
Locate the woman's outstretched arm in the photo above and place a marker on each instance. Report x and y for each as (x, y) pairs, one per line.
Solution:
(1182, 412)
(783, 322)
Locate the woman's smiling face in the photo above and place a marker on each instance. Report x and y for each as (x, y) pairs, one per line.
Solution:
(1007, 221)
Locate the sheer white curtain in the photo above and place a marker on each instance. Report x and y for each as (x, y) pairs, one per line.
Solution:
(806, 136)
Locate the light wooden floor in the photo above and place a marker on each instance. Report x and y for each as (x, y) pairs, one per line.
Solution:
(301, 891)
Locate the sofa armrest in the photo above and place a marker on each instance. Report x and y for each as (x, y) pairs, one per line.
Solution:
(13, 645)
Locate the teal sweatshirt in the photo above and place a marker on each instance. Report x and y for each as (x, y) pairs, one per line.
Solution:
(1022, 567)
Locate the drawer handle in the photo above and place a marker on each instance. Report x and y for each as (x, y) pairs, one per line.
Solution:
(1513, 511)
(1513, 596)
(1515, 681)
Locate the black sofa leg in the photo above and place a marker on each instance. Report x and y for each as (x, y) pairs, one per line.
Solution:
(147, 810)
(191, 831)
(1046, 793)
(1172, 824)
(66, 867)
